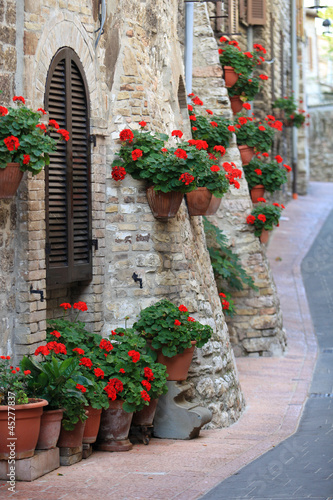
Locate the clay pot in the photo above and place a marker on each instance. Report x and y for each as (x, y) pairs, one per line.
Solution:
(146, 415)
(26, 425)
(164, 206)
(236, 104)
(177, 366)
(114, 429)
(264, 237)
(73, 438)
(213, 206)
(92, 425)
(50, 426)
(198, 201)
(246, 153)
(230, 76)
(257, 192)
(10, 178)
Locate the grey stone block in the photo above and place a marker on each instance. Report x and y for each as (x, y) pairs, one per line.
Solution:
(29, 469)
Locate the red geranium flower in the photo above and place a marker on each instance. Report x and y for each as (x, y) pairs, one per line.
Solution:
(276, 204)
(197, 101)
(258, 171)
(261, 128)
(223, 39)
(42, 111)
(186, 178)
(190, 107)
(105, 344)
(177, 133)
(82, 306)
(262, 217)
(57, 347)
(41, 126)
(180, 153)
(122, 370)
(266, 155)
(182, 308)
(219, 149)
(65, 305)
(12, 143)
(263, 77)
(209, 112)
(222, 295)
(231, 128)
(287, 167)
(148, 372)
(126, 135)
(142, 124)
(64, 133)
(248, 54)
(78, 350)
(135, 355)
(86, 362)
(177, 322)
(214, 124)
(246, 105)
(136, 153)
(193, 118)
(42, 350)
(27, 372)
(145, 395)
(146, 384)
(195, 128)
(118, 173)
(98, 372)
(278, 158)
(55, 333)
(192, 320)
(250, 219)
(80, 387)
(19, 98)
(53, 123)
(215, 168)
(26, 159)
(3, 111)
(262, 200)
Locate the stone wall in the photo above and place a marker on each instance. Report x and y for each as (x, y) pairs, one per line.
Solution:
(256, 329)
(320, 143)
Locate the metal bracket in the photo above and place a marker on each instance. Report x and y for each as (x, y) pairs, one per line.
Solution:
(136, 278)
(92, 139)
(41, 293)
(94, 243)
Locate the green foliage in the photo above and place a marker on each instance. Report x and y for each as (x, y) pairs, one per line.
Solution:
(225, 263)
(272, 177)
(230, 55)
(249, 134)
(13, 381)
(21, 123)
(214, 135)
(246, 88)
(55, 380)
(157, 324)
(288, 104)
(271, 212)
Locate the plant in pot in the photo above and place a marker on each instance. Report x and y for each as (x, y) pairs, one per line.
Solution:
(291, 116)
(264, 176)
(245, 89)
(253, 134)
(25, 143)
(264, 217)
(133, 382)
(166, 170)
(62, 384)
(20, 412)
(232, 58)
(171, 332)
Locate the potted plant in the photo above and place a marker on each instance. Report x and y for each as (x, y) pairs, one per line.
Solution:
(173, 334)
(264, 217)
(253, 134)
(245, 89)
(25, 143)
(234, 61)
(20, 414)
(263, 176)
(290, 115)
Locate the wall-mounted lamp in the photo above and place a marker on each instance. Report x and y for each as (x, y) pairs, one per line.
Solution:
(327, 25)
(317, 6)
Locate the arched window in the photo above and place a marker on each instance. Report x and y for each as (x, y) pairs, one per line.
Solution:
(67, 197)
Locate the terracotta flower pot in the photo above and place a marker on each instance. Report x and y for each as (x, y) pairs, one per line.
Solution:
(246, 153)
(114, 429)
(236, 104)
(213, 206)
(164, 206)
(146, 415)
(10, 178)
(73, 438)
(26, 424)
(264, 237)
(230, 76)
(177, 366)
(92, 425)
(198, 201)
(257, 192)
(50, 426)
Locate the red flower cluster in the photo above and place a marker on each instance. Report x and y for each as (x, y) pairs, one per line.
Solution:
(190, 107)
(57, 347)
(231, 128)
(19, 98)
(142, 124)
(197, 101)
(177, 133)
(177, 322)
(219, 149)
(53, 123)
(182, 308)
(262, 217)
(5, 357)
(192, 320)
(263, 77)
(126, 135)
(136, 153)
(248, 54)
(181, 153)
(42, 350)
(80, 387)
(78, 350)
(246, 105)
(198, 143)
(106, 345)
(262, 200)
(3, 111)
(232, 173)
(113, 387)
(145, 395)
(81, 306)
(278, 158)
(258, 171)
(146, 384)
(12, 143)
(214, 124)
(41, 126)
(26, 159)
(135, 355)
(148, 372)
(86, 362)
(209, 112)
(225, 304)
(259, 48)
(193, 118)
(55, 333)
(186, 178)
(64, 133)
(215, 168)
(42, 111)
(118, 173)
(65, 305)
(250, 219)
(99, 372)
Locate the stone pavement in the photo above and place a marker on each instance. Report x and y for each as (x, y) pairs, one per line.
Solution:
(275, 390)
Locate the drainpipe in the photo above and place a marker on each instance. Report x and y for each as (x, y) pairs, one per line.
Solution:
(294, 87)
(250, 49)
(189, 15)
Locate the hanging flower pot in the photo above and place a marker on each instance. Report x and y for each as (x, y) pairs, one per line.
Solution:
(164, 206)
(264, 237)
(73, 438)
(50, 427)
(26, 428)
(177, 366)
(246, 153)
(146, 415)
(114, 428)
(236, 104)
(213, 206)
(257, 192)
(230, 76)
(92, 425)
(10, 178)
(198, 201)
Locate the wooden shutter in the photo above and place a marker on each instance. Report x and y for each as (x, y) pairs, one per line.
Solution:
(232, 16)
(256, 12)
(68, 203)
